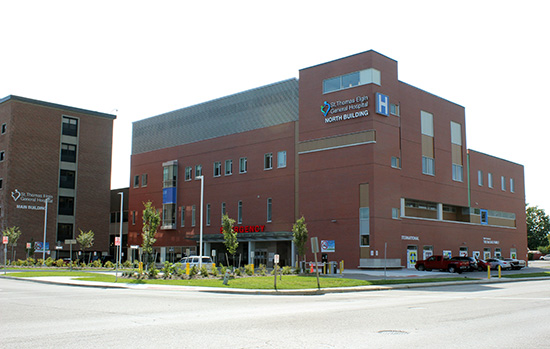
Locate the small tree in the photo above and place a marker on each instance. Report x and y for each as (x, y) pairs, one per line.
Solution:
(299, 232)
(229, 236)
(151, 222)
(86, 240)
(538, 225)
(13, 234)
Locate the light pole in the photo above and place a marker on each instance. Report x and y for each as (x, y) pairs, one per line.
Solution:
(200, 231)
(45, 225)
(120, 238)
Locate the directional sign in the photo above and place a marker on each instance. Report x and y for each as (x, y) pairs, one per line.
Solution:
(314, 245)
(70, 242)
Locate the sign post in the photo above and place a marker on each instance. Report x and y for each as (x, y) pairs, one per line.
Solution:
(276, 262)
(315, 250)
(117, 243)
(71, 242)
(5, 242)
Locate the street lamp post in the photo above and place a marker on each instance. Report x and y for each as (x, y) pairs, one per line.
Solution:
(201, 222)
(119, 249)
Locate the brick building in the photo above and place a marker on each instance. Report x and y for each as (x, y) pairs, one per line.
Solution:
(59, 154)
(379, 169)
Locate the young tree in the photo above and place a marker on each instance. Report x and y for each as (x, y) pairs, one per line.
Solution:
(538, 226)
(86, 240)
(299, 232)
(229, 236)
(13, 234)
(151, 222)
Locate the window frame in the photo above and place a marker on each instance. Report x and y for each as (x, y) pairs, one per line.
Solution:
(281, 159)
(188, 173)
(428, 164)
(228, 167)
(240, 212)
(243, 165)
(217, 169)
(269, 217)
(268, 161)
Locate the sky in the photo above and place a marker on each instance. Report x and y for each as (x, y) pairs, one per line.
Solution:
(138, 59)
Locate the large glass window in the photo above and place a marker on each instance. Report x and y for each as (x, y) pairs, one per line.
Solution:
(68, 152)
(363, 77)
(170, 175)
(243, 165)
(169, 216)
(217, 169)
(64, 231)
(268, 161)
(281, 159)
(428, 166)
(456, 133)
(364, 229)
(427, 123)
(70, 126)
(67, 179)
(240, 213)
(228, 167)
(269, 207)
(66, 206)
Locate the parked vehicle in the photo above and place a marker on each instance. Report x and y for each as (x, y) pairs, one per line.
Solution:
(516, 264)
(470, 260)
(442, 263)
(495, 262)
(194, 261)
(546, 258)
(482, 264)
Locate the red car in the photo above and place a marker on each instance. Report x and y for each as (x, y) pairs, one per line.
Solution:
(482, 264)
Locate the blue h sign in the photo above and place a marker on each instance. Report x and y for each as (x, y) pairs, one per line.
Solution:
(382, 104)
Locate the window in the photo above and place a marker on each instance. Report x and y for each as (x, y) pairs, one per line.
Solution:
(281, 159)
(483, 217)
(134, 213)
(456, 133)
(198, 171)
(240, 213)
(490, 180)
(242, 165)
(228, 167)
(428, 166)
(1, 183)
(269, 207)
(64, 231)
(394, 109)
(512, 186)
(68, 152)
(144, 180)
(193, 212)
(503, 183)
(169, 216)
(66, 206)
(67, 179)
(70, 126)
(395, 162)
(395, 213)
(217, 169)
(457, 173)
(427, 123)
(4, 128)
(170, 174)
(182, 216)
(208, 207)
(136, 181)
(268, 161)
(363, 77)
(2, 155)
(364, 230)
(223, 210)
(188, 173)
(480, 178)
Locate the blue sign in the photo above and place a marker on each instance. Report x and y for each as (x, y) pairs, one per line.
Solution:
(382, 104)
(169, 195)
(38, 246)
(325, 108)
(328, 246)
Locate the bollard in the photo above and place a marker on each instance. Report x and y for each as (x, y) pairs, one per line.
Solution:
(324, 268)
(499, 271)
(187, 269)
(488, 271)
(341, 267)
(141, 267)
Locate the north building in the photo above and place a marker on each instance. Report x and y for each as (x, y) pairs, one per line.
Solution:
(60, 155)
(379, 169)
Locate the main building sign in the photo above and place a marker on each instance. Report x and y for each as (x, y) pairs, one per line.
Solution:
(345, 109)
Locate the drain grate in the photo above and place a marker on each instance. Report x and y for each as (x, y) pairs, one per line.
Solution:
(393, 332)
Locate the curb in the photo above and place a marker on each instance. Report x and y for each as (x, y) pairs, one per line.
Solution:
(301, 292)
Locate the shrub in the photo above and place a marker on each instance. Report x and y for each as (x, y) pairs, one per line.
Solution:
(287, 270)
(214, 271)
(39, 261)
(59, 263)
(223, 270)
(249, 269)
(262, 270)
(83, 265)
(239, 272)
(168, 269)
(49, 262)
(30, 261)
(109, 265)
(544, 249)
(153, 272)
(127, 264)
(194, 271)
(204, 271)
(96, 263)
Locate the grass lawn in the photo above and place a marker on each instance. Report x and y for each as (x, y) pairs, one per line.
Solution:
(260, 282)
(527, 275)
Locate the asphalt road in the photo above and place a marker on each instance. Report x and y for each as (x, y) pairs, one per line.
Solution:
(504, 315)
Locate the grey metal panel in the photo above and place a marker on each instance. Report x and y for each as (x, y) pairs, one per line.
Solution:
(261, 107)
